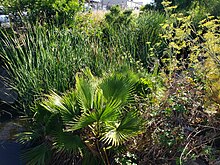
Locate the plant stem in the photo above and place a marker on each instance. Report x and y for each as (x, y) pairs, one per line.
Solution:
(106, 161)
(106, 156)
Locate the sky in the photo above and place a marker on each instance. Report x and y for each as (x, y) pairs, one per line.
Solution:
(145, 1)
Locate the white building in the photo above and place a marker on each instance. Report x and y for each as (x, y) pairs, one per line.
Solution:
(106, 4)
(123, 3)
(134, 5)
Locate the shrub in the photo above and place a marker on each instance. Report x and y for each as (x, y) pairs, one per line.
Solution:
(135, 35)
(179, 127)
(56, 11)
(96, 117)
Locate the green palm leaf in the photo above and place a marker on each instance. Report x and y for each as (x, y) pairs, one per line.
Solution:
(45, 122)
(113, 136)
(65, 105)
(102, 111)
(65, 141)
(71, 109)
(131, 123)
(53, 103)
(99, 100)
(118, 87)
(83, 121)
(84, 93)
(117, 133)
(107, 114)
(111, 112)
(105, 110)
(38, 155)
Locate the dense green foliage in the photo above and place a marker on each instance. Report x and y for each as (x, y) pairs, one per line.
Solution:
(199, 7)
(150, 96)
(48, 57)
(56, 11)
(96, 117)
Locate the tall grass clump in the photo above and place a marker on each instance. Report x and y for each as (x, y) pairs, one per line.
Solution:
(134, 35)
(40, 60)
(148, 34)
(43, 59)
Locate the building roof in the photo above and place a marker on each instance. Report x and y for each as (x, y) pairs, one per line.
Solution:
(95, 1)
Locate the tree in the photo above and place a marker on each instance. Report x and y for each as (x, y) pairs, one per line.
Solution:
(59, 11)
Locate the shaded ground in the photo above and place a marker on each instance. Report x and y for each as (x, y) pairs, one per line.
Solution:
(10, 150)
(10, 153)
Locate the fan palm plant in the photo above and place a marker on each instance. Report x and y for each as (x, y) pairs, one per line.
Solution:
(97, 116)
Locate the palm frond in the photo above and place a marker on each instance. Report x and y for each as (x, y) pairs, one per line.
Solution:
(131, 123)
(111, 111)
(85, 93)
(105, 110)
(117, 133)
(53, 103)
(24, 137)
(66, 141)
(38, 155)
(99, 100)
(118, 87)
(71, 109)
(53, 124)
(44, 122)
(114, 137)
(83, 121)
